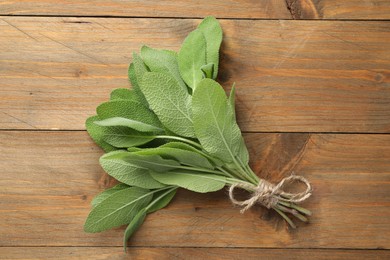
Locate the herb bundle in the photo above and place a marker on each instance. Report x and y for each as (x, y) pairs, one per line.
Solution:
(176, 128)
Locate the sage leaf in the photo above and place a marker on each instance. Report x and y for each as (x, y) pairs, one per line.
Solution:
(128, 109)
(123, 94)
(97, 134)
(188, 147)
(126, 172)
(192, 56)
(208, 70)
(212, 33)
(164, 62)
(169, 101)
(161, 199)
(185, 157)
(117, 210)
(135, 223)
(136, 71)
(243, 153)
(150, 162)
(107, 193)
(133, 124)
(214, 122)
(232, 101)
(191, 180)
(124, 137)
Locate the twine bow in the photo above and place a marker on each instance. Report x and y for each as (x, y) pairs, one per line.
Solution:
(268, 194)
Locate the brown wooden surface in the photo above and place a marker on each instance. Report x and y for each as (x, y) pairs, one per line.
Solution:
(324, 85)
(49, 178)
(259, 9)
(186, 253)
(291, 76)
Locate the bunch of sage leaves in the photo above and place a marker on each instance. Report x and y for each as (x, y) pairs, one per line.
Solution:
(174, 128)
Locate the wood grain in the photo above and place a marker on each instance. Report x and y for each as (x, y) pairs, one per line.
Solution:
(335, 9)
(49, 178)
(260, 9)
(69, 253)
(157, 8)
(292, 76)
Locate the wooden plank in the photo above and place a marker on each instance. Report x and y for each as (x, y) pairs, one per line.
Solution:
(159, 8)
(292, 76)
(260, 9)
(49, 178)
(335, 9)
(69, 253)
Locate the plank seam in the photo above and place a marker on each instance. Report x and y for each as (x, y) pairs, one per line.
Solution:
(190, 18)
(211, 247)
(244, 132)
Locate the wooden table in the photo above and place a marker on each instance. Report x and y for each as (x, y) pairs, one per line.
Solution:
(313, 97)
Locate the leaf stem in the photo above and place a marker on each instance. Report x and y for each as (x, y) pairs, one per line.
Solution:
(225, 172)
(296, 207)
(191, 168)
(162, 195)
(289, 221)
(235, 173)
(178, 138)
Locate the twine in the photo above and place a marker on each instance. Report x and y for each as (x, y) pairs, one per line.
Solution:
(268, 194)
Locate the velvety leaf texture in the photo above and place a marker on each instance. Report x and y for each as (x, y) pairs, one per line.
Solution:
(123, 94)
(97, 134)
(133, 124)
(107, 193)
(214, 122)
(117, 210)
(192, 56)
(163, 61)
(128, 109)
(161, 199)
(135, 223)
(124, 137)
(185, 157)
(191, 180)
(169, 101)
(212, 33)
(136, 70)
(126, 172)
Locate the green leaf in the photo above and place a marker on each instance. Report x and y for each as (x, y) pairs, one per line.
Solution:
(184, 157)
(243, 154)
(123, 94)
(117, 210)
(164, 62)
(208, 70)
(161, 199)
(232, 102)
(97, 134)
(134, 124)
(192, 56)
(150, 162)
(169, 101)
(188, 147)
(126, 172)
(128, 109)
(124, 137)
(136, 71)
(135, 223)
(214, 122)
(107, 193)
(212, 32)
(191, 180)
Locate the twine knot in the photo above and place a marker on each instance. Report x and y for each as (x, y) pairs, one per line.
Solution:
(268, 194)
